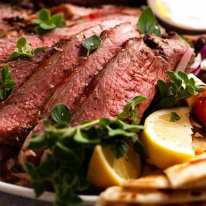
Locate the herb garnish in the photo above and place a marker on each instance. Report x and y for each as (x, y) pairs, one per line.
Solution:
(91, 44)
(174, 117)
(69, 150)
(46, 22)
(6, 83)
(23, 50)
(61, 115)
(130, 112)
(147, 23)
(180, 87)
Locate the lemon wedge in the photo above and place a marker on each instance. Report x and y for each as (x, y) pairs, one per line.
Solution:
(105, 170)
(168, 142)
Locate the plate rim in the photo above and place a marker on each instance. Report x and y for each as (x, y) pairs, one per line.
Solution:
(46, 196)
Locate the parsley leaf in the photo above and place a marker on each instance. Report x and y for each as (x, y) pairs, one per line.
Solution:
(69, 149)
(91, 44)
(174, 117)
(180, 87)
(61, 115)
(130, 112)
(46, 22)
(147, 23)
(6, 83)
(23, 50)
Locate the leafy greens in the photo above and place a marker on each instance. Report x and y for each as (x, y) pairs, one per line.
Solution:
(46, 22)
(147, 23)
(173, 92)
(23, 50)
(6, 83)
(91, 44)
(69, 149)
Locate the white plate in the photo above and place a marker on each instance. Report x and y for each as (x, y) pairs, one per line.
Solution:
(185, 14)
(47, 196)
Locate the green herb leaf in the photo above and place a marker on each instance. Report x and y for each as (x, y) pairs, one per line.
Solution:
(173, 92)
(23, 50)
(69, 149)
(46, 22)
(6, 83)
(174, 117)
(147, 23)
(91, 44)
(61, 115)
(130, 111)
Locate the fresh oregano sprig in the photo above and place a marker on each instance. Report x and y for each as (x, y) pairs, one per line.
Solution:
(46, 22)
(23, 50)
(69, 149)
(179, 87)
(130, 112)
(148, 24)
(91, 44)
(6, 83)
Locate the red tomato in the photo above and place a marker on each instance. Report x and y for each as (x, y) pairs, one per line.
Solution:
(200, 107)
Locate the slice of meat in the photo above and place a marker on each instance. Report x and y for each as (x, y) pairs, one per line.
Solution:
(106, 22)
(7, 45)
(134, 71)
(23, 109)
(71, 11)
(171, 49)
(10, 14)
(22, 69)
(74, 86)
(93, 2)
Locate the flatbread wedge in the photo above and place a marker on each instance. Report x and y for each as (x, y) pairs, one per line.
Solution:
(157, 181)
(188, 175)
(117, 196)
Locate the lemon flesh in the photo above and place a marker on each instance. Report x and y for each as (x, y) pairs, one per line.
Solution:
(105, 170)
(168, 143)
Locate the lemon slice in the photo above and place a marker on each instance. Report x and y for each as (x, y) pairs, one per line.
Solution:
(168, 142)
(105, 170)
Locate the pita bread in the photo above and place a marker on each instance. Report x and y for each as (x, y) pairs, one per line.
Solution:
(190, 174)
(158, 181)
(117, 196)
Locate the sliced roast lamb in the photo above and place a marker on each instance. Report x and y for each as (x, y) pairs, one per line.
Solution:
(23, 109)
(73, 87)
(7, 45)
(71, 11)
(134, 71)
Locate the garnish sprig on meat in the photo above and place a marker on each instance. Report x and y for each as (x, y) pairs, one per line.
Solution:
(23, 50)
(46, 22)
(69, 149)
(6, 83)
(179, 87)
(91, 44)
(148, 24)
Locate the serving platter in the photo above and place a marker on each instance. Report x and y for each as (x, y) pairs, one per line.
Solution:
(47, 196)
